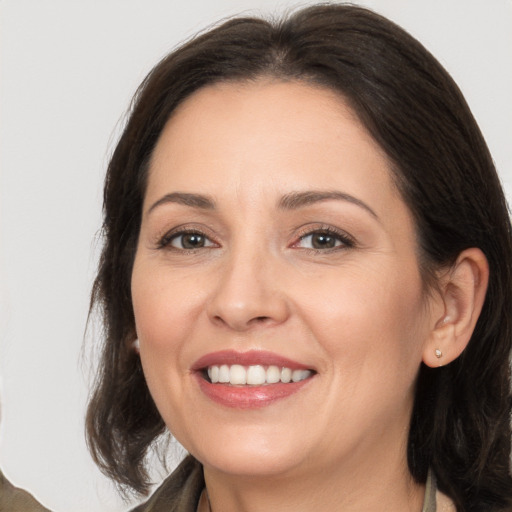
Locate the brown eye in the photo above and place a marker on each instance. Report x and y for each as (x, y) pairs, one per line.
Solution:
(324, 240)
(189, 241)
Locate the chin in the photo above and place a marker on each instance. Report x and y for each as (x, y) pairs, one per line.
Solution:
(248, 453)
(251, 464)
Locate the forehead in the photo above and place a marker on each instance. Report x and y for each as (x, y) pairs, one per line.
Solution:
(267, 134)
(294, 110)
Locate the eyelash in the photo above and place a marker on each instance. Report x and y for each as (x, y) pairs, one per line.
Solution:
(346, 240)
(166, 241)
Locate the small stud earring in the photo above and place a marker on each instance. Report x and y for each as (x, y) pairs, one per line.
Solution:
(438, 353)
(136, 345)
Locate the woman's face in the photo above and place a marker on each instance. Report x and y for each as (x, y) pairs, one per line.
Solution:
(275, 246)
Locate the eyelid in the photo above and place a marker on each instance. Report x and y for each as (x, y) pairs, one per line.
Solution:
(164, 241)
(174, 241)
(347, 240)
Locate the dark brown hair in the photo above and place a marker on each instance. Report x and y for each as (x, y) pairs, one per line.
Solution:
(460, 425)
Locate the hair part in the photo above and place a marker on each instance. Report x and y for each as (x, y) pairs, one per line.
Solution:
(460, 424)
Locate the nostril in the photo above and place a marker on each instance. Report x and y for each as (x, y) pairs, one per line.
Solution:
(242, 324)
(260, 319)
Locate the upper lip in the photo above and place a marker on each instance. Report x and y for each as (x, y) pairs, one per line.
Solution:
(248, 358)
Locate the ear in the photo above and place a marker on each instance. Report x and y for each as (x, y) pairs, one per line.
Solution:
(462, 292)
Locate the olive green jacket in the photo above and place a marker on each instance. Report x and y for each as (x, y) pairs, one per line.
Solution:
(180, 492)
(13, 499)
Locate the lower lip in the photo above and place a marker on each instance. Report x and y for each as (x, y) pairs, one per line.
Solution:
(249, 397)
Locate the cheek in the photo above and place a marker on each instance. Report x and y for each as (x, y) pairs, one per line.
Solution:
(164, 306)
(369, 323)
(164, 318)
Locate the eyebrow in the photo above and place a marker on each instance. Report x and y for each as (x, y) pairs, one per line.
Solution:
(192, 200)
(296, 200)
(291, 201)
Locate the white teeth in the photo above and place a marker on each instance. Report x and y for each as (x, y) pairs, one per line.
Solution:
(254, 375)
(298, 375)
(273, 374)
(224, 374)
(237, 375)
(213, 373)
(286, 375)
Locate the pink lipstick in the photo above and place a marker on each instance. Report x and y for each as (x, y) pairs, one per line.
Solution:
(250, 379)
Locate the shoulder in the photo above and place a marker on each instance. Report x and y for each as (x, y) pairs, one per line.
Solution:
(180, 492)
(13, 499)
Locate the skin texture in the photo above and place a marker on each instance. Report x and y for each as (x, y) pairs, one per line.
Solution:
(357, 314)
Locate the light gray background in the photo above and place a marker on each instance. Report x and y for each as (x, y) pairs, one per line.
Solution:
(68, 70)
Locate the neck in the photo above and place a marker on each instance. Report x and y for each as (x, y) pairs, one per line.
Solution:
(374, 486)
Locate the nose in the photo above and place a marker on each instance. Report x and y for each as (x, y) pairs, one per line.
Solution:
(248, 292)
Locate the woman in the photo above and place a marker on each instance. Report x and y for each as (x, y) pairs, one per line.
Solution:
(305, 277)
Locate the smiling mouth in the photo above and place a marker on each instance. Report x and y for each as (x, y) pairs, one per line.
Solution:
(250, 380)
(254, 375)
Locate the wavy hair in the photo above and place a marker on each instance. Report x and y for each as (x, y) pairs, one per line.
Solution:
(460, 424)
